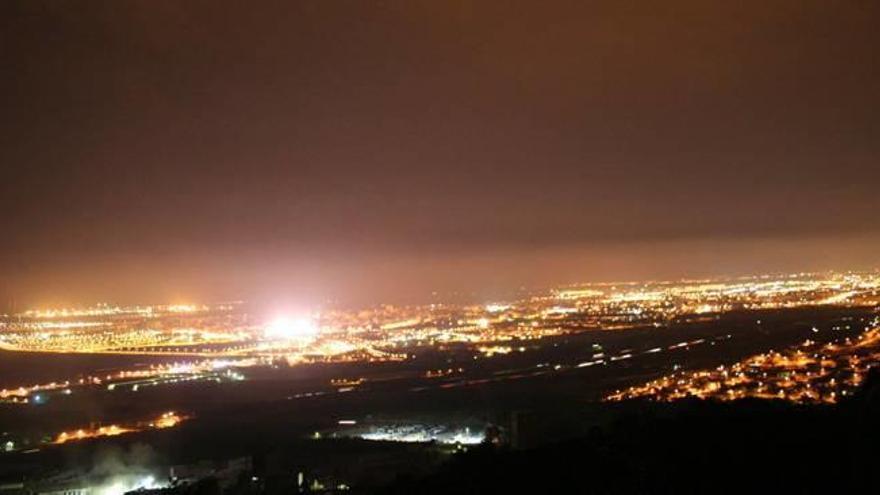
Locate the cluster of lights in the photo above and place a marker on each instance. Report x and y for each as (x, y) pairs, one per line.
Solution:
(166, 420)
(227, 334)
(134, 379)
(108, 310)
(418, 433)
(807, 373)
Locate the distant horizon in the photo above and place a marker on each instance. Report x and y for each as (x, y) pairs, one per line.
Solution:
(439, 298)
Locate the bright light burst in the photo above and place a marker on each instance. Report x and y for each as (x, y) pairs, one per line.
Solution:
(285, 328)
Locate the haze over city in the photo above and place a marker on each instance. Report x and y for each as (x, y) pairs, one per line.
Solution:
(367, 152)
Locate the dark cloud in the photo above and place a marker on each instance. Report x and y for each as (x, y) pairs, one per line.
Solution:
(148, 145)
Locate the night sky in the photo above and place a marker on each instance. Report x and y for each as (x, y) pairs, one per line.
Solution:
(161, 151)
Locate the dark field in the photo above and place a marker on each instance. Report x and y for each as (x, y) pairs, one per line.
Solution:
(29, 368)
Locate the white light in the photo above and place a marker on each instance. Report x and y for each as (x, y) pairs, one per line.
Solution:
(114, 489)
(497, 308)
(290, 329)
(147, 482)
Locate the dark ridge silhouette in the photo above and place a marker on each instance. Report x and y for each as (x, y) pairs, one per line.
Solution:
(690, 447)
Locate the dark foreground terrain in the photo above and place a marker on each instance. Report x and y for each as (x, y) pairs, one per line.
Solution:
(690, 447)
(687, 447)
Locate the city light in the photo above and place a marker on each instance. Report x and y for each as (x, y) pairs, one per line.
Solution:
(166, 420)
(214, 343)
(287, 328)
